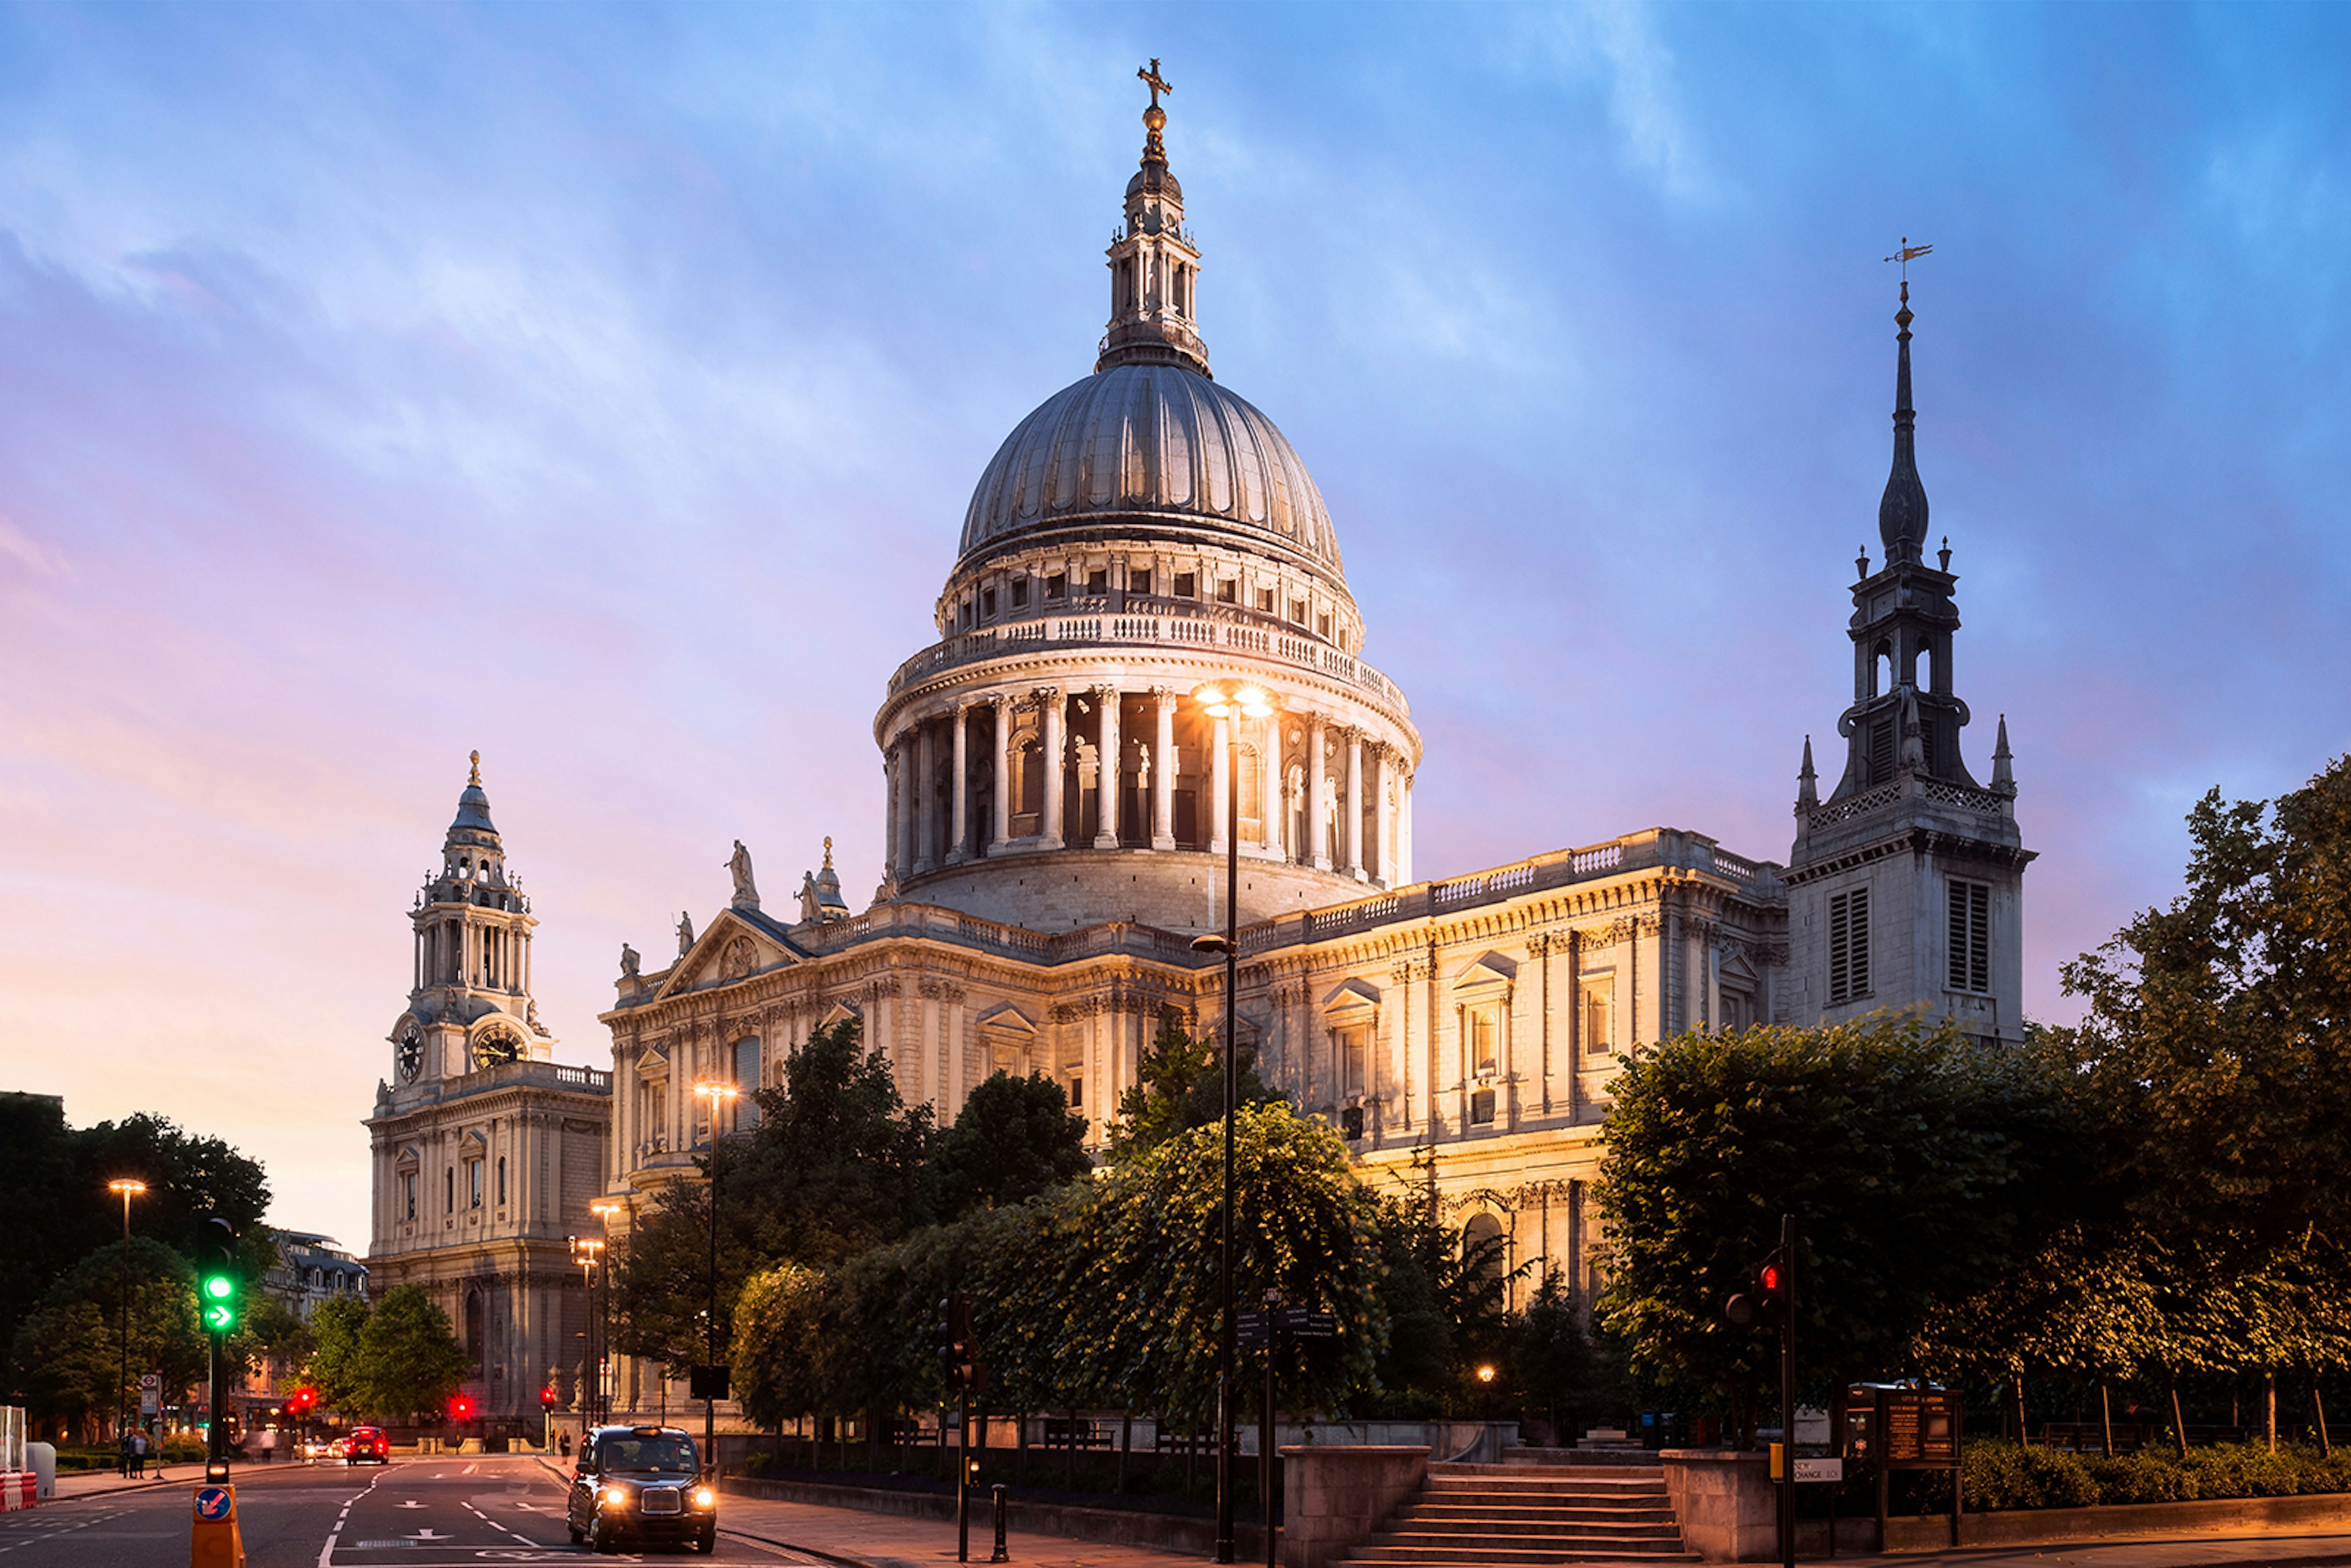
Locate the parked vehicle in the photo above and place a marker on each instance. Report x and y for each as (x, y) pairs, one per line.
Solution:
(641, 1485)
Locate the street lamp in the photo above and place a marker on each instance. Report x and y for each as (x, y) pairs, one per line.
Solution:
(1230, 702)
(604, 1209)
(588, 1254)
(718, 1093)
(129, 1189)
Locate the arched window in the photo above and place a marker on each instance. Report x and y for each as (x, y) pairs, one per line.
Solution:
(502, 1181)
(1926, 668)
(1483, 1249)
(1881, 670)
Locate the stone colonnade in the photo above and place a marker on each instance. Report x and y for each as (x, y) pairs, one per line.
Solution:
(943, 812)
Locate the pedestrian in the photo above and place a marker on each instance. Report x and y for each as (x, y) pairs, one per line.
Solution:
(122, 1459)
(137, 1452)
(565, 1443)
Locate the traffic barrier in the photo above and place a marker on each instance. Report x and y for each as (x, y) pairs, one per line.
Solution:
(19, 1489)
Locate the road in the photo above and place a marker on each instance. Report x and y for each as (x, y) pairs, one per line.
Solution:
(452, 1512)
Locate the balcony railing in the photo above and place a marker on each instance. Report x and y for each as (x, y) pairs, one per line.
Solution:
(1239, 630)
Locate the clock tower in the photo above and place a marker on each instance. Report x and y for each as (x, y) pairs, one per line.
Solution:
(486, 1151)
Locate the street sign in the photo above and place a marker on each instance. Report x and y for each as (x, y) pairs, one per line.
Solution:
(1819, 1471)
(1305, 1322)
(706, 1383)
(151, 1394)
(1254, 1330)
(213, 1503)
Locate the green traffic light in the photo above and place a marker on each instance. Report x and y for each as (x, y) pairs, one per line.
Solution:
(220, 1287)
(220, 1306)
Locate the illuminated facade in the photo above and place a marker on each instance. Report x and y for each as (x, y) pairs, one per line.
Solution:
(1056, 831)
(486, 1151)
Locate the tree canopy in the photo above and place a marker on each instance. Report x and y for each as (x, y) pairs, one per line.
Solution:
(1013, 1138)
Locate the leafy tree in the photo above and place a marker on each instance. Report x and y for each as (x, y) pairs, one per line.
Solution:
(68, 1351)
(839, 1163)
(335, 1367)
(410, 1362)
(1014, 1138)
(779, 1351)
(1447, 1295)
(60, 1174)
(1568, 1378)
(1918, 1164)
(1179, 1085)
(2218, 1036)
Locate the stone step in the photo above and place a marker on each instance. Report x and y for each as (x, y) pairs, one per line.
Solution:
(1419, 1519)
(1511, 1556)
(1407, 1532)
(1517, 1509)
(1527, 1469)
(1485, 1486)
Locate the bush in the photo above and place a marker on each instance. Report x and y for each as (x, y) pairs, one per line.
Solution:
(1999, 1476)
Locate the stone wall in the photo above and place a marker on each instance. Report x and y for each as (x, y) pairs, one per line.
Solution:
(1336, 1496)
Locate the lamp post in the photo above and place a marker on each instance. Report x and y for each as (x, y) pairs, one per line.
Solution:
(129, 1189)
(588, 1254)
(1230, 703)
(718, 1093)
(604, 1209)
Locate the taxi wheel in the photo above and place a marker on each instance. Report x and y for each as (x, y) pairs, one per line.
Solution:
(599, 1536)
(576, 1537)
(708, 1541)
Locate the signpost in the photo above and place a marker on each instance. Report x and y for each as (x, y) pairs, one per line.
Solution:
(1262, 1330)
(151, 1394)
(1904, 1427)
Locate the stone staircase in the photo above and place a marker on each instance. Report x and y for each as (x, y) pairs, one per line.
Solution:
(1531, 1515)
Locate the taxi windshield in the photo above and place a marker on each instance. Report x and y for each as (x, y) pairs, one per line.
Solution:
(667, 1454)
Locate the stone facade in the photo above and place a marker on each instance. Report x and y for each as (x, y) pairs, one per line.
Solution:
(486, 1153)
(1059, 805)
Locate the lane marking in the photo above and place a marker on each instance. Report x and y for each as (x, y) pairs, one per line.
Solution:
(327, 1553)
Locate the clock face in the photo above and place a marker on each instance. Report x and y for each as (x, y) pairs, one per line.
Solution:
(496, 1046)
(412, 1053)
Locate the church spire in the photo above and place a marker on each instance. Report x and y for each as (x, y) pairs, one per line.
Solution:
(1154, 265)
(1902, 514)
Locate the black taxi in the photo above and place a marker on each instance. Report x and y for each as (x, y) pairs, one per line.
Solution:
(641, 1486)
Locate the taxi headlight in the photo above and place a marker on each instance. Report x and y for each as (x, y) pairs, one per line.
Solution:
(616, 1497)
(703, 1497)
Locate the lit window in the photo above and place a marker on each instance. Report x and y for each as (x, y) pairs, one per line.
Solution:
(1598, 1039)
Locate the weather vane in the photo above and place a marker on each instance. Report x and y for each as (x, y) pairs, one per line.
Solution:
(1151, 77)
(1907, 254)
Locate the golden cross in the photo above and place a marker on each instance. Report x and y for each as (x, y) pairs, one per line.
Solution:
(1906, 254)
(1152, 78)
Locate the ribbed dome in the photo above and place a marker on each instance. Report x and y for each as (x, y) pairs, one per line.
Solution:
(1150, 441)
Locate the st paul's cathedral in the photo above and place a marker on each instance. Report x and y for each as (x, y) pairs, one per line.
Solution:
(1057, 833)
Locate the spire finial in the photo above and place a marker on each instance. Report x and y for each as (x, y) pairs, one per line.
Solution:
(2003, 771)
(1902, 513)
(1808, 787)
(828, 851)
(475, 782)
(1154, 118)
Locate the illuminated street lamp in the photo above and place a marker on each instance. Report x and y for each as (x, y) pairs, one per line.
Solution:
(588, 1254)
(604, 1209)
(718, 1093)
(1231, 702)
(129, 1189)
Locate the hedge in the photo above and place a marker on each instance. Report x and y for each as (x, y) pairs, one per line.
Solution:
(1998, 1476)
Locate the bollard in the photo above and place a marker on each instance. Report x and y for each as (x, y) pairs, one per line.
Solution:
(1001, 1555)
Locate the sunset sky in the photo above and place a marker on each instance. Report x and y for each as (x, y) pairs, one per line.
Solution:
(601, 388)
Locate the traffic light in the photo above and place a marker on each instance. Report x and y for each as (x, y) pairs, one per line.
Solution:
(460, 1408)
(216, 1276)
(958, 1350)
(301, 1402)
(547, 1398)
(1765, 1300)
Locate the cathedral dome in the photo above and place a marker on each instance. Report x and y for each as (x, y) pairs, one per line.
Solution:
(1156, 443)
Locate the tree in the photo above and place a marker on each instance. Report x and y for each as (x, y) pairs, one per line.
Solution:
(1014, 1138)
(2218, 1037)
(335, 1367)
(68, 1353)
(1447, 1295)
(1179, 1085)
(60, 1174)
(1918, 1164)
(838, 1164)
(410, 1362)
(1568, 1378)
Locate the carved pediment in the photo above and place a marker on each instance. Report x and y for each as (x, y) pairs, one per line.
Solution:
(1352, 1000)
(1007, 1024)
(1490, 971)
(735, 947)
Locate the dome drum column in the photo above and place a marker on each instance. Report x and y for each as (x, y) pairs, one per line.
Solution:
(1163, 772)
(1108, 783)
(959, 783)
(1050, 703)
(925, 799)
(1000, 829)
(1355, 804)
(1318, 819)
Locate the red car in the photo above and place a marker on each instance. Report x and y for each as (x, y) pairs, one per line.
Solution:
(367, 1445)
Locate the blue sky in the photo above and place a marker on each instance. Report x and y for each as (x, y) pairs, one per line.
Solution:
(602, 387)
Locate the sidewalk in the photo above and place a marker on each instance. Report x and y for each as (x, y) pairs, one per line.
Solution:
(72, 1484)
(885, 1540)
(2282, 1551)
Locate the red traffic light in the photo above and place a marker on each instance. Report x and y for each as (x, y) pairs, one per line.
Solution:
(547, 1398)
(460, 1408)
(1767, 1277)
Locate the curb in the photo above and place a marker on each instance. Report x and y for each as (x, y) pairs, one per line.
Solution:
(56, 1498)
(817, 1551)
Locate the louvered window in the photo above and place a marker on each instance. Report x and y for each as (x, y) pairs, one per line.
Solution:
(1970, 936)
(1881, 751)
(1849, 945)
